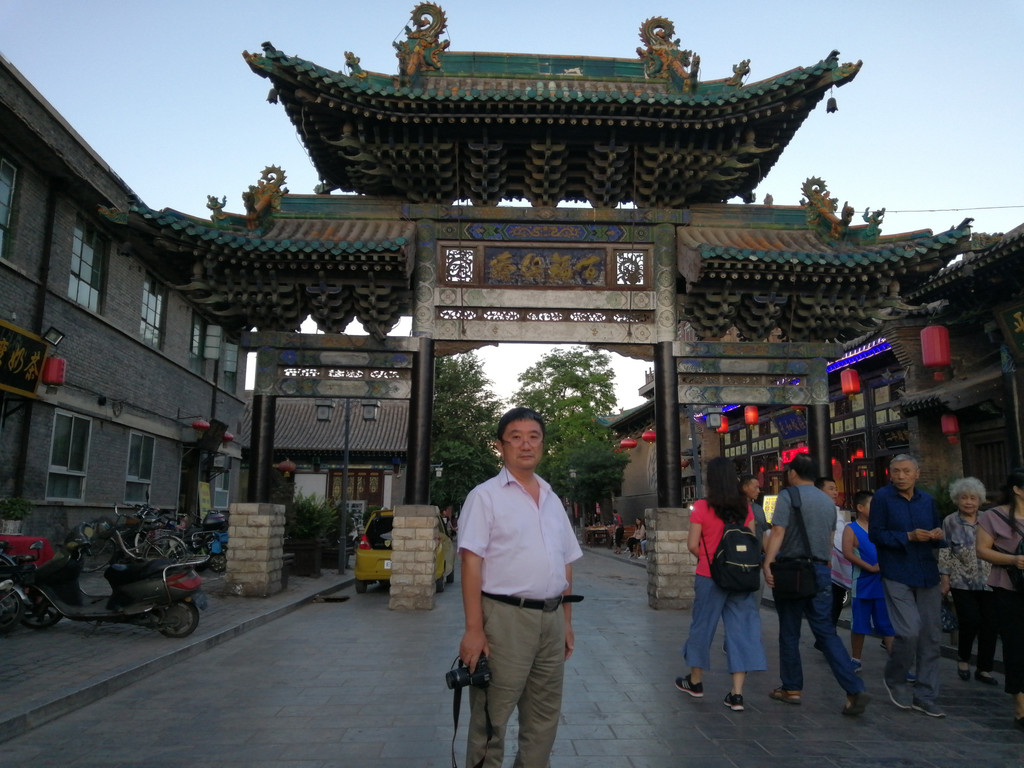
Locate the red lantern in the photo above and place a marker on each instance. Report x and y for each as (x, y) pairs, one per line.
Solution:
(200, 425)
(951, 428)
(724, 427)
(850, 381)
(935, 349)
(685, 463)
(228, 437)
(750, 415)
(53, 370)
(628, 443)
(286, 467)
(648, 436)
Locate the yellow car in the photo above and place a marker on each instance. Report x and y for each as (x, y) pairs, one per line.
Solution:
(373, 552)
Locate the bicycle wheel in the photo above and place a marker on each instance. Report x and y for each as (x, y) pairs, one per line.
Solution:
(166, 547)
(99, 555)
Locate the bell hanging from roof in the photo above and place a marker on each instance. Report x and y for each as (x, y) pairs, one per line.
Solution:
(831, 106)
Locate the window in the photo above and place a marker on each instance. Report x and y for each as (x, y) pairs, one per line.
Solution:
(88, 266)
(140, 468)
(69, 457)
(152, 326)
(222, 489)
(229, 367)
(197, 345)
(7, 177)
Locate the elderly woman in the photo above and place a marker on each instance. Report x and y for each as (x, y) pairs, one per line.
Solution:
(1000, 531)
(963, 574)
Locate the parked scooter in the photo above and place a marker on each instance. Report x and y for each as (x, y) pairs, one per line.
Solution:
(152, 593)
(15, 571)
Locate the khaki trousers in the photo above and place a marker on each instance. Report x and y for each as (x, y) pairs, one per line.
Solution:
(527, 660)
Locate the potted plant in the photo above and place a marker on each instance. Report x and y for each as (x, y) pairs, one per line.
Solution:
(12, 512)
(308, 525)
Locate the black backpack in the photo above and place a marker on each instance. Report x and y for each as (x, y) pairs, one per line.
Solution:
(736, 566)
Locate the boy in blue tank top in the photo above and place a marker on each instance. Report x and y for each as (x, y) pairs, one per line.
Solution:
(869, 613)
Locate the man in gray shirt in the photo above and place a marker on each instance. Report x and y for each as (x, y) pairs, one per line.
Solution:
(818, 516)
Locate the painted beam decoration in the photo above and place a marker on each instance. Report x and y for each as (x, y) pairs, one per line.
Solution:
(712, 373)
(332, 365)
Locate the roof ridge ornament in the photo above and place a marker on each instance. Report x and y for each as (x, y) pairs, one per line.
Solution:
(821, 215)
(263, 199)
(663, 59)
(422, 49)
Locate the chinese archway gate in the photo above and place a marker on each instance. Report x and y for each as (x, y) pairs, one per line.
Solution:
(426, 156)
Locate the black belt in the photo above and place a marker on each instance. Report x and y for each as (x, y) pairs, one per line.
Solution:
(527, 602)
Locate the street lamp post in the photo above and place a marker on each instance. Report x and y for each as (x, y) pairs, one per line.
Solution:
(370, 409)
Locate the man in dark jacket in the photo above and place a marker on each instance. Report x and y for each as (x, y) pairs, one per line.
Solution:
(906, 529)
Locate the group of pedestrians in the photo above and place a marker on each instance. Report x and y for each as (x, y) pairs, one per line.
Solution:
(903, 558)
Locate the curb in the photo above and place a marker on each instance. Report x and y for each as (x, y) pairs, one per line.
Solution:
(68, 701)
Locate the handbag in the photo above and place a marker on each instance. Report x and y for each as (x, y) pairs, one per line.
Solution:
(796, 578)
(948, 618)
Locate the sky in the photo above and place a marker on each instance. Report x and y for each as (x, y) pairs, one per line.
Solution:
(929, 129)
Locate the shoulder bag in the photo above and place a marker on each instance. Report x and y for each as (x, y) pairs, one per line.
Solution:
(795, 578)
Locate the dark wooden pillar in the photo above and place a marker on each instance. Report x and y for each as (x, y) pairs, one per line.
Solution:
(261, 447)
(421, 408)
(666, 418)
(818, 442)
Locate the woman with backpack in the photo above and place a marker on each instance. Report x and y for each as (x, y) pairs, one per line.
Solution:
(738, 610)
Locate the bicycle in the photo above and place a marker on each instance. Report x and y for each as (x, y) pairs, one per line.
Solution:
(142, 533)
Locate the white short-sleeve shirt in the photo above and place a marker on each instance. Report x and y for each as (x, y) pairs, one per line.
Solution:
(525, 546)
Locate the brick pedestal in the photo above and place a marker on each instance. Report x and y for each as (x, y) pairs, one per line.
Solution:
(255, 540)
(670, 566)
(412, 558)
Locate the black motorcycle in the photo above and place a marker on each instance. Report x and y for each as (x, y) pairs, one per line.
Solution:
(160, 594)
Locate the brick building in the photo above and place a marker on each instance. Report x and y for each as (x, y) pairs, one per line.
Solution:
(141, 362)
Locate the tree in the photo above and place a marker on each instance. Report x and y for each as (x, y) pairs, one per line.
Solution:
(466, 413)
(571, 388)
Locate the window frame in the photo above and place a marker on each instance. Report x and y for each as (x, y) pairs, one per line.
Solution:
(197, 344)
(69, 472)
(87, 239)
(8, 225)
(142, 481)
(153, 320)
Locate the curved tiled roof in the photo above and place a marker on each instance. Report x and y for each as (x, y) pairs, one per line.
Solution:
(488, 127)
(296, 266)
(296, 428)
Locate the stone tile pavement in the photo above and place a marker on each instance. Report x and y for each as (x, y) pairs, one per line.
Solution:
(355, 684)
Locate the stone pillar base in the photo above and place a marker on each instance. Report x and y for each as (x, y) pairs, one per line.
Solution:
(670, 566)
(255, 541)
(412, 558)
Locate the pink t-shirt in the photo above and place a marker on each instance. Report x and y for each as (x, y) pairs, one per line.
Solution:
(711, 529)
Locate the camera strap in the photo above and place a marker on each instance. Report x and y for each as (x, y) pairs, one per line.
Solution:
(456, 706)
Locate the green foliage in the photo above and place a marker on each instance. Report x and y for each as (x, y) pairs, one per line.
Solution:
(312, 517)
(15, 509)
(599, 471)
(939, 491)
(572, 387)
(466, 413)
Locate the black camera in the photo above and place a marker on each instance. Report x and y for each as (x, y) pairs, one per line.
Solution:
(460, 676)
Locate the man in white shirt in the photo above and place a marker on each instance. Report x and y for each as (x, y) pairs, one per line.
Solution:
(517, 546)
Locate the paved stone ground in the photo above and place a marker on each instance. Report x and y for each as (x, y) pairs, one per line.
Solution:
(355, 684)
